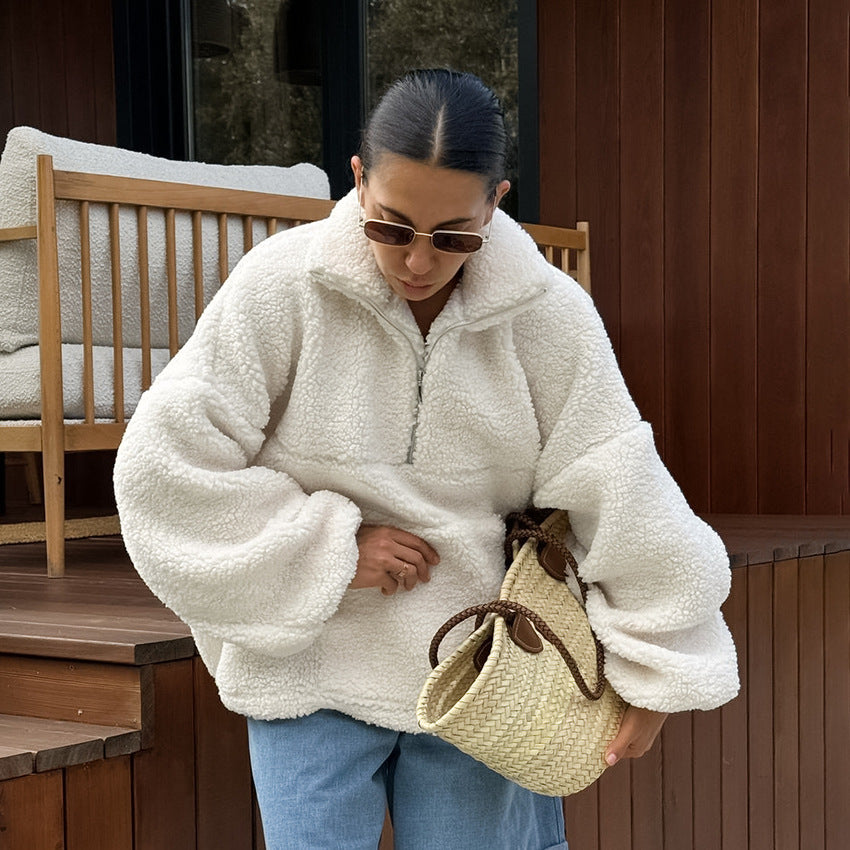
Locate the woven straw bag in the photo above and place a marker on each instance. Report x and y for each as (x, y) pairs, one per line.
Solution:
(515, 697)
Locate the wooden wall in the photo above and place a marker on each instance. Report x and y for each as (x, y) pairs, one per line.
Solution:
(707, 143)
(56, 74)
(765, 770)
(190, 791)
(56, 69)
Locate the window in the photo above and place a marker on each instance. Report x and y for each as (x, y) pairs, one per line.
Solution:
(285, 81)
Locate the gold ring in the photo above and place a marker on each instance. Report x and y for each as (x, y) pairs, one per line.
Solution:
(402, 573)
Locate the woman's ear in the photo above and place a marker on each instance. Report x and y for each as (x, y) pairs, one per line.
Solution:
(357, 168)
(500, 191)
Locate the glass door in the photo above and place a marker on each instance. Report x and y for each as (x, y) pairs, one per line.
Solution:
(479, 36)
(284, 81)
(256, 82)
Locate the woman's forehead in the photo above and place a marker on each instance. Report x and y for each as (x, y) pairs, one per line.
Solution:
(425, 194)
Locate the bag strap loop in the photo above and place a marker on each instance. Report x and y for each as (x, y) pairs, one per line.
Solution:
(524, 526)
(506, 608)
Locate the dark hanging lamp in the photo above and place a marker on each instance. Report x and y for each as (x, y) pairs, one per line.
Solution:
(212, 27)
(298, 42)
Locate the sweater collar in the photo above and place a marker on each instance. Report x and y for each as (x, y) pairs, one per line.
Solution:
(504, 277)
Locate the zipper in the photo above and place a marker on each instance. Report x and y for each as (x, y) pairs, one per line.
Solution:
(422, 361)
(421, 365)
(420, 377)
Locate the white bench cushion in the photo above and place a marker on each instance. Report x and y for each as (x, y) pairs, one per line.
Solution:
(18, 260)
(20, 385)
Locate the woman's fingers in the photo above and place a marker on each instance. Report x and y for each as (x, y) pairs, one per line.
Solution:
(409, 574)
(391, 558)
(414, 561)
(638, 730)
(425, 551)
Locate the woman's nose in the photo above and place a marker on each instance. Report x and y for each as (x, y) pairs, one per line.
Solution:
(420, 255)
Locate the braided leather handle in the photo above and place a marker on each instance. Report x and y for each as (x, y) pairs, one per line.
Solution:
(524, 527)
(506, 608)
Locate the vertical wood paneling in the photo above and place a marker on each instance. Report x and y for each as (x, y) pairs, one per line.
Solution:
(222, 771)
(707, 780)
(581, 814)
(51, 93)
(31, 812)
(80, 82)
(767, 769)
(747, 308)
(734, 143)
(98, 806)
(811, 690)
(557, 112)
(100, 26)
(6, 97)
(24, 61)
(56, 68)
(259, 840)
(597, 149)
(647, 799)
(164, 777)
(678, 794)
(687, 164)
(641, 349)
(733, 718)
(828, 260)
(781, 354)
(615, 808)
(760, 700)
(837, 697)
(786, 750)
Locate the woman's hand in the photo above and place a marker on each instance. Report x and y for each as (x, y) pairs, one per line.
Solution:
(638, 730)
(391, 559)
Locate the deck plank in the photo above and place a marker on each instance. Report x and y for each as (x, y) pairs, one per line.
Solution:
(765, 538)
(56, 743)
(100, 611)
(15, 760)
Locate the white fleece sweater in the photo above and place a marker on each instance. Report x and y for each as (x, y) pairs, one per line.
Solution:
(307, 402)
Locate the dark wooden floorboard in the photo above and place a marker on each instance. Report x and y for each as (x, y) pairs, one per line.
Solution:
(100, 611)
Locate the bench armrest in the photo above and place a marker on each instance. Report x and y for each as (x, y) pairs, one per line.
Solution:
(10, 234)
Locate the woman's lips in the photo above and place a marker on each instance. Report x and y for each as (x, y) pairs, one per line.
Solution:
(414, 287)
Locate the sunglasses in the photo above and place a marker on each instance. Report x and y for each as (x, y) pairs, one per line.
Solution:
(400, 235)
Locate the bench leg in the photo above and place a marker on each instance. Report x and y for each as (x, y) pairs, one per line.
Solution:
(53, 464)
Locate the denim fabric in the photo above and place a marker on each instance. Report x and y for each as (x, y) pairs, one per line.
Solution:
(324, 781)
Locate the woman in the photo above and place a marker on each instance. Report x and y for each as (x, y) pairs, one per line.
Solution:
(319, 479)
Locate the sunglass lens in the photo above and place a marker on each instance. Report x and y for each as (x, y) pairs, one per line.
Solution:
(388, 233)
(456, 243)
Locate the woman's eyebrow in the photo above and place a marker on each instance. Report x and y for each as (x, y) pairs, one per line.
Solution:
(405, 220)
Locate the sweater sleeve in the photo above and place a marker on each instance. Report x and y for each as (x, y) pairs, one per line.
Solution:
(237, 550)
(657, 574)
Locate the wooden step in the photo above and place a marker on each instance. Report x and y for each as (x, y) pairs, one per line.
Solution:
(100, 611)
(79, 692)
(35, 744)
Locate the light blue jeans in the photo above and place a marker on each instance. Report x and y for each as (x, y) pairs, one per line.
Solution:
(324, 781)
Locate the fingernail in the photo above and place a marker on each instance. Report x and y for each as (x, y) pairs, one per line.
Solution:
(611, 759)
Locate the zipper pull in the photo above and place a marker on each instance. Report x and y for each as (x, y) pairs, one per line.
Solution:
(420, 376)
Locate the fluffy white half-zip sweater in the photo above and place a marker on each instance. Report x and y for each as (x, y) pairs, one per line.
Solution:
(307, 402)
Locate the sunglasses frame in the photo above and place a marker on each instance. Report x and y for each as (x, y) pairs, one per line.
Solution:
(406, 228)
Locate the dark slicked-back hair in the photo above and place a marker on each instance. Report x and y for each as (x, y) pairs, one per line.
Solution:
(443, 118)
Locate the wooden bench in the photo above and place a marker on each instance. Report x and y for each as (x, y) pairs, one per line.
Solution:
(120, 299)
(198, 207)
